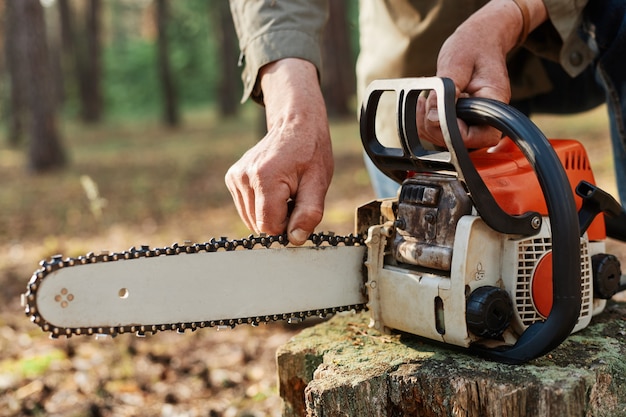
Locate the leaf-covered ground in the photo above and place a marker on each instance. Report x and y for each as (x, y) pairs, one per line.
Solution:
(129, 184)
(134, 183)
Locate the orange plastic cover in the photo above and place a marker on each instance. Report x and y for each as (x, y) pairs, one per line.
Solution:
(513, 183)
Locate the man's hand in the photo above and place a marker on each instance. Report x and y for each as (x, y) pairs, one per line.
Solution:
(474, 57)
(293, 161)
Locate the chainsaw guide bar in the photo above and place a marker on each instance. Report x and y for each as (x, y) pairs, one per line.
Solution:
(52, 289)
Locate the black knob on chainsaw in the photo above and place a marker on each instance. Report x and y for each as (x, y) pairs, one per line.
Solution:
(606, 275)
(488, 311)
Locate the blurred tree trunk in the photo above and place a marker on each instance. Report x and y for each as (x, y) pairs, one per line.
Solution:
(17, 82)
(82, 53)
(171, 114)
(338, 78)
(66, 19)
(228, 90)
(70, 63)
(45, 151)
(56, 63)
(91, 75)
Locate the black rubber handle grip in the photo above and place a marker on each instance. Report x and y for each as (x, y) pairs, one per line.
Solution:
(541, 337)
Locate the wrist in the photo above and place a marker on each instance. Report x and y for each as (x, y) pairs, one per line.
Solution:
(531, 14)
(523, 7)
(517, 19)
(291, 90)
(288, 78)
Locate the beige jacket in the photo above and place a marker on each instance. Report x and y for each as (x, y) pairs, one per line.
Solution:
(399, 38)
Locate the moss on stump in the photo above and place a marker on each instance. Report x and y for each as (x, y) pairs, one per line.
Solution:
(343, 368)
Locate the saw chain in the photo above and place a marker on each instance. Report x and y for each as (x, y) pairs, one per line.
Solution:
(29, 299)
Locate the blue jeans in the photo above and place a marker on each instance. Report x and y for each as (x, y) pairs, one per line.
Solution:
(605, 24)
(603, 82)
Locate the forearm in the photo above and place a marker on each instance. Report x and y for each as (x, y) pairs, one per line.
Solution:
(291, 91)
(509, 21)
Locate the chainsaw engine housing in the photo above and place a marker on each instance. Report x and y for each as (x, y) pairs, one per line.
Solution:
(514, 282)
(442, 273)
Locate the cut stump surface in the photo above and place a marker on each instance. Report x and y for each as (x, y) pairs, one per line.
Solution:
(343, 368)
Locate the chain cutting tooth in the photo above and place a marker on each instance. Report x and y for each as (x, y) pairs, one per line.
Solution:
(264, 241)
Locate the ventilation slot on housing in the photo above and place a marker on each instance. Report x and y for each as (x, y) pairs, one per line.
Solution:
(576, 160)
(529, 252)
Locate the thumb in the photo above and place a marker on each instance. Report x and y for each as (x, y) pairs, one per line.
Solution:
(307, 214)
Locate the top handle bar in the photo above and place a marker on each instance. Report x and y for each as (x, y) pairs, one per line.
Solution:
(411, 156)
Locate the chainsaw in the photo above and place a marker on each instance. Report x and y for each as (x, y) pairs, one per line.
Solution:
(500, 251)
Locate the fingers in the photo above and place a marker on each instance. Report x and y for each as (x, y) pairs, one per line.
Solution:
(239, 189)
(266, 209)
(429, 125)
(263, 209)
(483, 136)
(271, 209)
(308, 209)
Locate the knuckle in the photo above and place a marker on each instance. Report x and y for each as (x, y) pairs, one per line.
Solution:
(309, 217)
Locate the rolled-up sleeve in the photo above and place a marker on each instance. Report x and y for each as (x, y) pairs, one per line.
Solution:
(560, 38)
(270, 30)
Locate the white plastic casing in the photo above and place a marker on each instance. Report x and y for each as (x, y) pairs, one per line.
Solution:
(432, 304)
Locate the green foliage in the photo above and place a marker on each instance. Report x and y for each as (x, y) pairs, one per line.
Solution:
(193, 51)
(31, 367)
(131, 80)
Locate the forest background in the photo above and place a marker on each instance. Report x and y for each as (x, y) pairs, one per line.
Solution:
(118, 120)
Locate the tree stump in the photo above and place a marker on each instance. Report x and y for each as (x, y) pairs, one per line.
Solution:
(343, 368)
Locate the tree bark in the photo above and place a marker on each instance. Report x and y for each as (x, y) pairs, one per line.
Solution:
(228, 87)
(17, 82)
(45, 151)
(69, 60)
(342, 368)
(82, 56)
(91, 78)
(171, 114)
(66, 19)
(338, 77)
